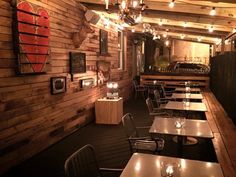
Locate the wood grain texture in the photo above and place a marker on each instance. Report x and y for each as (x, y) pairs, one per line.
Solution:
(109, 111)
(224, 134)
(31, 118)
(175, 80)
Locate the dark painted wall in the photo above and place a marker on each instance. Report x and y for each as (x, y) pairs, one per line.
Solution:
(223, 81)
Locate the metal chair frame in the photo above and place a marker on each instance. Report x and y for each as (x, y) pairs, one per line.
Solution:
(83, 163)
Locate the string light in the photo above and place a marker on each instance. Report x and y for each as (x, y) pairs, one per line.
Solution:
(134, 3)
(164, 35)
(199, 39)
(182, 36)
(107, 4)
(213, 11)
(155, 37)
(123, 5)
(160, 23)
(185, 24)
(172, 4)
(167, 43)
(234, 30)
(211, 29)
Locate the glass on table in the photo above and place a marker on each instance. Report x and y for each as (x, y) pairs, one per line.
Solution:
(170, 169)
(179, 122)
(186, 103)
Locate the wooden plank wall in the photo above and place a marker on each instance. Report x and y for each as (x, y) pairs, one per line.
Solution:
(31, 119)
(223, 81)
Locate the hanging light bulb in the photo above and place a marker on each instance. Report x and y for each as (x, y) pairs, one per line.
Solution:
(185, 24)
(172, 4)
(160, 23)
(165, 35)
(211, 29)
(182, 36)
(107, 4)
(213, 11)
(234, 30)
(154, 37)
(123, 5)
(133, 30)
(199, 39)
(134, 3)
(167, 42)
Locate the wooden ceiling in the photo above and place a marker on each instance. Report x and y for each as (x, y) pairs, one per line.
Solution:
(193, 12)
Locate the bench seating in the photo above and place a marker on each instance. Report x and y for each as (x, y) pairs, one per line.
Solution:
(224, 134)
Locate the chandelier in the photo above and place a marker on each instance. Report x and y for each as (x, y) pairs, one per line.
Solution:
(130, 11)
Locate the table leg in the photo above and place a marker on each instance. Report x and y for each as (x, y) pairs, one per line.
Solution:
(185, 140)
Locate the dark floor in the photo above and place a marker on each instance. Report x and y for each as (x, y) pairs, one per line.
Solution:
(111, 147)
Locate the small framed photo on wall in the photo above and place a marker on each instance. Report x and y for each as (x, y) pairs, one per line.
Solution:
(77, 62)
(58, 85)
(103, 42)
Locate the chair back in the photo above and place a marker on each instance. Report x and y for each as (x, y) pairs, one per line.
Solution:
(150, 105)
(135, 84)
(163, 92)
(129, 126)
(157, 97)
(82, 163)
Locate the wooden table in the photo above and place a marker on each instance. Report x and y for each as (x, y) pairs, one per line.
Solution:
(147, 165)
(183, 89)
(194, 128)
(186, 95)
(193, 106)
(109, 111)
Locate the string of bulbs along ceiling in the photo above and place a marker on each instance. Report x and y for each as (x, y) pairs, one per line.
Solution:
(131, 13)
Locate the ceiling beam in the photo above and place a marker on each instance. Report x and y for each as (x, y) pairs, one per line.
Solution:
(202, 8)
(177, 16)
(196, 18)
(189, 30)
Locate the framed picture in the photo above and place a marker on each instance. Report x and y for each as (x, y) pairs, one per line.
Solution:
(77, 62)
(103, 42)
(58, 85)
(103, 72)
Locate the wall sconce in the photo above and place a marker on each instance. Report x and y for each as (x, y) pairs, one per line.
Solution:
(112, 90)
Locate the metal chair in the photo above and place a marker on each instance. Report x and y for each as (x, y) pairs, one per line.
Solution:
(156, 111)
(83, 163)
(139, 89)
(159, 101)
(165, 94)
(137, 142)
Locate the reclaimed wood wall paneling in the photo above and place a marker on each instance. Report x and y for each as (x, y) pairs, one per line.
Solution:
(31, 118)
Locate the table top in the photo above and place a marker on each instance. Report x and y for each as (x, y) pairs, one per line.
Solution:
(145, 165)
(183, 89)
(195, 128)
(179, 105)
(186, 95)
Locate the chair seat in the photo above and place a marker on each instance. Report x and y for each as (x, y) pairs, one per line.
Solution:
(145, 145)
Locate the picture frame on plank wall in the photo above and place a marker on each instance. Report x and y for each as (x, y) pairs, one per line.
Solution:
(103, 41)
(58, 85)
